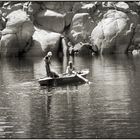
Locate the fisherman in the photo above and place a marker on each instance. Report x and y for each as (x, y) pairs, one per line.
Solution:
(70, 69)
(47, 60)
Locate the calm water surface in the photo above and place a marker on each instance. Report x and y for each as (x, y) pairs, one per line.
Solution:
(107, 108)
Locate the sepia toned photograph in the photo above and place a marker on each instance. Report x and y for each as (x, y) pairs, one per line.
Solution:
(69, 69)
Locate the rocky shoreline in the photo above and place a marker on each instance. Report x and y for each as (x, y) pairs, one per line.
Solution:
(34, 28)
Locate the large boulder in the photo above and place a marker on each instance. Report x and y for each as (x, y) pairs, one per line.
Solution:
(114, 33)
(44, 41)
(1, 3)
(81, 49)
(84, 7)
(77, 6)
(32, 8)
(88, 8)
(17, 34)
(122, 6)
(68, 18)
(50, 20)
(16, 6)
(81, 28)
(108, 5)
(2, 21)
(136, 38)
(11, 6)
(61, 7)
(134, 6)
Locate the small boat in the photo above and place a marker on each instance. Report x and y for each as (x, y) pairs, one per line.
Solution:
(63, 79)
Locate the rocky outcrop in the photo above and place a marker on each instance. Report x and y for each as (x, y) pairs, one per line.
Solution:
(82, 49)
(111, 27)
(134, 6)
(113, 34)
(10, 6)
(88, 8)
(81, 28)
(32, 9)
(77, 6)
(122, 6)
(136, 38)
(68, 18)
(84, 7)
(44, 41)
(2, 22)
(17, 35)
(50, 20)
(60, 7)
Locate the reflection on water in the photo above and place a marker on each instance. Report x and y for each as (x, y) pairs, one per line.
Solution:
(107, 108)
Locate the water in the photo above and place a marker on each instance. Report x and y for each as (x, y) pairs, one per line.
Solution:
(107, 108)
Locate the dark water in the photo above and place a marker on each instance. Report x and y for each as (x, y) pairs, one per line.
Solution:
(107, 108)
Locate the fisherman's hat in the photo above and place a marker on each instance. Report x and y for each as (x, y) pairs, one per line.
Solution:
(49, 53)
(70, 62)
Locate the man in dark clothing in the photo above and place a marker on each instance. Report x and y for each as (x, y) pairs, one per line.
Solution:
(47, 60)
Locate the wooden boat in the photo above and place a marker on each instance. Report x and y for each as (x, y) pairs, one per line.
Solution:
(63, 79)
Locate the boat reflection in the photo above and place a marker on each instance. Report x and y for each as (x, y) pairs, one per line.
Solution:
(57, 107)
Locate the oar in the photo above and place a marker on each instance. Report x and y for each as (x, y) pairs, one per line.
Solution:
(82, 78)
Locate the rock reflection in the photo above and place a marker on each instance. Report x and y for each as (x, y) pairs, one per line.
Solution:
(15, 103)
(112, 78)
(13, 70)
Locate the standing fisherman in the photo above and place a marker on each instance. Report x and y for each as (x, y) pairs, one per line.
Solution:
(47, 60)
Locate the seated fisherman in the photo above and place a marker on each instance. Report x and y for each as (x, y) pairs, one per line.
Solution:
(70, 69)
